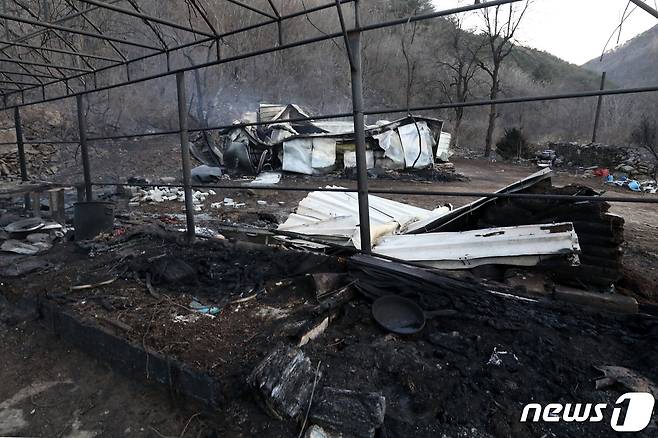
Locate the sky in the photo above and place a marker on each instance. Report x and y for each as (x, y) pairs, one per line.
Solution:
(574, 30)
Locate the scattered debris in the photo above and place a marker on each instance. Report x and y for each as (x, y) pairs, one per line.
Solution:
(647, 186)
(506, 359)
(266, 179)
(207, 310)
(25, 225)
(93, 285)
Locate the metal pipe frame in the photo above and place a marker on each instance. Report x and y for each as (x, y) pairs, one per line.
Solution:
(378, 191)
(380, 111)
(252, 9)
(35, 16)
(185, 151)
(84, 149)
(83, 14)
(193, 43)
(76, 31)
(646, 7)
(35, 75)
(358, 113)
(593, 93)
(205, 17)
(58, 21)
(353, 44)
(42, 64)
(65, 52)
(17, 82)
(146, 17)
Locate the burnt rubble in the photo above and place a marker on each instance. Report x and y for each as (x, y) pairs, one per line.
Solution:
(279, 338)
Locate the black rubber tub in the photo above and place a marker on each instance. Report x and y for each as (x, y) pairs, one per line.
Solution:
(92, 218)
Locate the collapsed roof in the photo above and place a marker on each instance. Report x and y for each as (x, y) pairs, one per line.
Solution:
(295, 143)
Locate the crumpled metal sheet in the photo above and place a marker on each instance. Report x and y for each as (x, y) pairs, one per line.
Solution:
(335, 216)
(525, 245)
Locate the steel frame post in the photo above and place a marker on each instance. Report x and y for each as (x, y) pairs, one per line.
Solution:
(185, 150)
(84, 147)
(599, 103)
(21, 152)
(354, 39)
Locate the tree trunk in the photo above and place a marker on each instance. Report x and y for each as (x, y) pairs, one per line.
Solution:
(456, 131)
(490, 130)
(493, 115)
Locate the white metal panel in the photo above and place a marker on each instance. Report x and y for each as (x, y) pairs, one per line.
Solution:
(349, 159)
(297, 156)
(443, 152)
(390, 142)
(522, 245)
(323, 154)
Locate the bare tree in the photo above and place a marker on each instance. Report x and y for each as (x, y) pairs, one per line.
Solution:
(461, 68)
(500, 25)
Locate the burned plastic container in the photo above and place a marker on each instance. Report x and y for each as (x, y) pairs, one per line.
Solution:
(92, 218)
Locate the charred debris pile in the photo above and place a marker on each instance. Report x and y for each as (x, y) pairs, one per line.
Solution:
(533, 245)
(452, 310)
(293, 142)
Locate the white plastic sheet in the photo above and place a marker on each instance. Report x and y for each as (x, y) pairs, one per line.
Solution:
(417, 148)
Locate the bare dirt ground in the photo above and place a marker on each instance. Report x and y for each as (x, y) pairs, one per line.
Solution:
(47, 389)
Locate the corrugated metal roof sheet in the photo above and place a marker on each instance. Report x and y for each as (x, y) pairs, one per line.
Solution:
(336, 214)
(522, 246)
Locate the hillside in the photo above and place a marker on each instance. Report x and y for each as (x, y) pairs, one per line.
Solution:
(544, 67)
(632, 64)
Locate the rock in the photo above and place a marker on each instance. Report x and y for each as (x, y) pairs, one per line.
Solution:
(349, 413)
(283, 382)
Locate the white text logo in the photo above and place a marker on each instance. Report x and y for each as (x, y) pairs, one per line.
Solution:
(638, 410)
